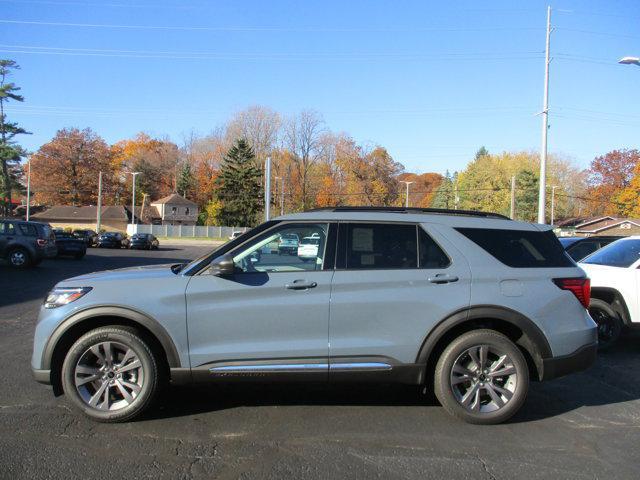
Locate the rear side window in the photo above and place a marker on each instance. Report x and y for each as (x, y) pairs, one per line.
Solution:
(381, 246)
(28, 230)
(520, 248)
(429, 252)
(7, 228)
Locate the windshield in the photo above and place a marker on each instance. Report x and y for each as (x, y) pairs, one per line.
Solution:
(622, 253)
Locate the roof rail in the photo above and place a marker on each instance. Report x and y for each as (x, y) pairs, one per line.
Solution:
(438, 211)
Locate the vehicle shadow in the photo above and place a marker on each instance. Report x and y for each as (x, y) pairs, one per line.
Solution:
(614, 379)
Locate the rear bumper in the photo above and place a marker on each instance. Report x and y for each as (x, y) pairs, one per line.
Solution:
(577, 361)
(42, 376)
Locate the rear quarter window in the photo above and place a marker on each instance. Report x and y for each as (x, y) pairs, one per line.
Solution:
(520, 248)
(28, 230)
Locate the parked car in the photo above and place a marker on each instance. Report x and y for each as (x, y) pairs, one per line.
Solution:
(308, 248)
(615, 280)
(470, 305)
(580, 247)
(89, 236)
(235, 234)
(288, 244)
(111, 240)
(25, 244)
(143, 240)
(69, 244)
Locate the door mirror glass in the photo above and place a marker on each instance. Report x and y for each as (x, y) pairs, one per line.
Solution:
(222, 266)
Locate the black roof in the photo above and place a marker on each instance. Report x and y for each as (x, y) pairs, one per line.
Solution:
(440, 211)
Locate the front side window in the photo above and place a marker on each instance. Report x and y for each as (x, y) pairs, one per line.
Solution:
(290, 248)
(381, 246)
(622, 253)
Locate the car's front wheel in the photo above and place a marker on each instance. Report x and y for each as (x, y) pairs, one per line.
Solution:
(482, 377)
(111, 374)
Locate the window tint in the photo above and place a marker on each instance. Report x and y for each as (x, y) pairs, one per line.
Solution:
(29, 230)
(520, 248)
(380, 246)
(622, 253)
(430, 253)
(279, 250)
(582, 249)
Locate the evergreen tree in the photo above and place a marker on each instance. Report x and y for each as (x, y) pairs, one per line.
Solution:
(444, 197)
(482, 152)
(526, 196)
(10, 152)
(185, 179)
(239, 187)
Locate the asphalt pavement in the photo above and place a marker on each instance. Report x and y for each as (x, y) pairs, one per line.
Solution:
(583, 426)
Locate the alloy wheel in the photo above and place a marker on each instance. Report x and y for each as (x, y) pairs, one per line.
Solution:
(109, 376)
(18, 258)
(483, 379)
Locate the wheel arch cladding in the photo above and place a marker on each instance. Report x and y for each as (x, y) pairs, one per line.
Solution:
(518, 328)
(82, 322)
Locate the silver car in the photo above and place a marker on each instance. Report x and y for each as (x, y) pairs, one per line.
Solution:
(471, 305)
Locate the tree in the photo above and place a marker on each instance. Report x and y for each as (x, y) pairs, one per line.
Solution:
(259, 126)
(629, 198)
(609, 175)
(302, 138)
(482, 152)
(10, 151)
(423, 189)
(65, 170)
(444, 196)
(527, 196)
(239, 187)
(185, 180)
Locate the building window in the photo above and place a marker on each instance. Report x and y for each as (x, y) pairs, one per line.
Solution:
(174, 210)
(186, 211)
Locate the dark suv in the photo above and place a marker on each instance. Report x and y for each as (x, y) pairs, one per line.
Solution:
(25, 244)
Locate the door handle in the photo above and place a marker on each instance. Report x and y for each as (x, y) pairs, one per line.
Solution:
(300, 285)
(441, 278)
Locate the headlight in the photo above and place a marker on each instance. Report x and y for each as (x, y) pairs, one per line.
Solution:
(62, 296)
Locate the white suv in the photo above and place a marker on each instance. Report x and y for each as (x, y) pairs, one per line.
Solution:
(615, 279)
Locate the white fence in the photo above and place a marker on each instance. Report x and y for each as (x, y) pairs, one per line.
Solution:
(184, 231)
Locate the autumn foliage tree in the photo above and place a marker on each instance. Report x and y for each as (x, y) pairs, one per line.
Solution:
(609, 176)
(65, 170)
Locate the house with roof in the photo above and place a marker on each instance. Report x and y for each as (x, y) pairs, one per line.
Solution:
(608, 225)
(176, 210)
(113, 217)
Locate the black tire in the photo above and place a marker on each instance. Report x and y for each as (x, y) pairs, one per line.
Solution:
(609, 323)
(517, 383)
(118, 335)
(79, 256)
(19, 258)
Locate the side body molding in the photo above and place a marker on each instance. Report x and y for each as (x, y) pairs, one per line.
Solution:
(532, 340)
(134, 316)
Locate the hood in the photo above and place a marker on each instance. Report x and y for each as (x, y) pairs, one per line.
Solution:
(129, 273)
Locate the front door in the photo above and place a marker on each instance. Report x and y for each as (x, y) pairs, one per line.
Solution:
(272, 314)
(393, 283)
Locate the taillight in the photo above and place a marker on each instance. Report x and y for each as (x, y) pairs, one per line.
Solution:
(580, 287)
(41, 242)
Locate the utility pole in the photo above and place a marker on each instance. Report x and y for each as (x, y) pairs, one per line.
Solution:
(456, 198)
(281, 193)
(28, 190)
(133, 198)
(513, 198)
(553, 198)
(99, 210)
(545, 128)
(267, 189)
(406, 198)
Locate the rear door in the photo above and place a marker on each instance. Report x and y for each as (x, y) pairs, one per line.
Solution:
(393, 283)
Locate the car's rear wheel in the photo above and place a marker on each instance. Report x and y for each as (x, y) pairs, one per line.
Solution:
(19, 258)
(609, 323)
(111, 374)
(482, 378)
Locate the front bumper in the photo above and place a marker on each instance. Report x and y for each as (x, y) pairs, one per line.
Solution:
(577, 361)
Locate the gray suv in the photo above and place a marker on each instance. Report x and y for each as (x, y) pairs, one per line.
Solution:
(25, 244)
(471, 305)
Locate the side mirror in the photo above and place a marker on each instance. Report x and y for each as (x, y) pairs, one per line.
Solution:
(222, 266)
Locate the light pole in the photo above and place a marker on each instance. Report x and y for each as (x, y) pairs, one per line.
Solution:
(545, 128)
(406, 199)
(630, 61)
(28, 190)
(133, 198)
(267, 189)
(553, 202)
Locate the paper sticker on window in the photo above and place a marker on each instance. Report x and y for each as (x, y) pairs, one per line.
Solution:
(362, 240)
(367, 259)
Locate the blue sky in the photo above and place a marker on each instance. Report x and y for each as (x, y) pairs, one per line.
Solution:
(431, 81)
